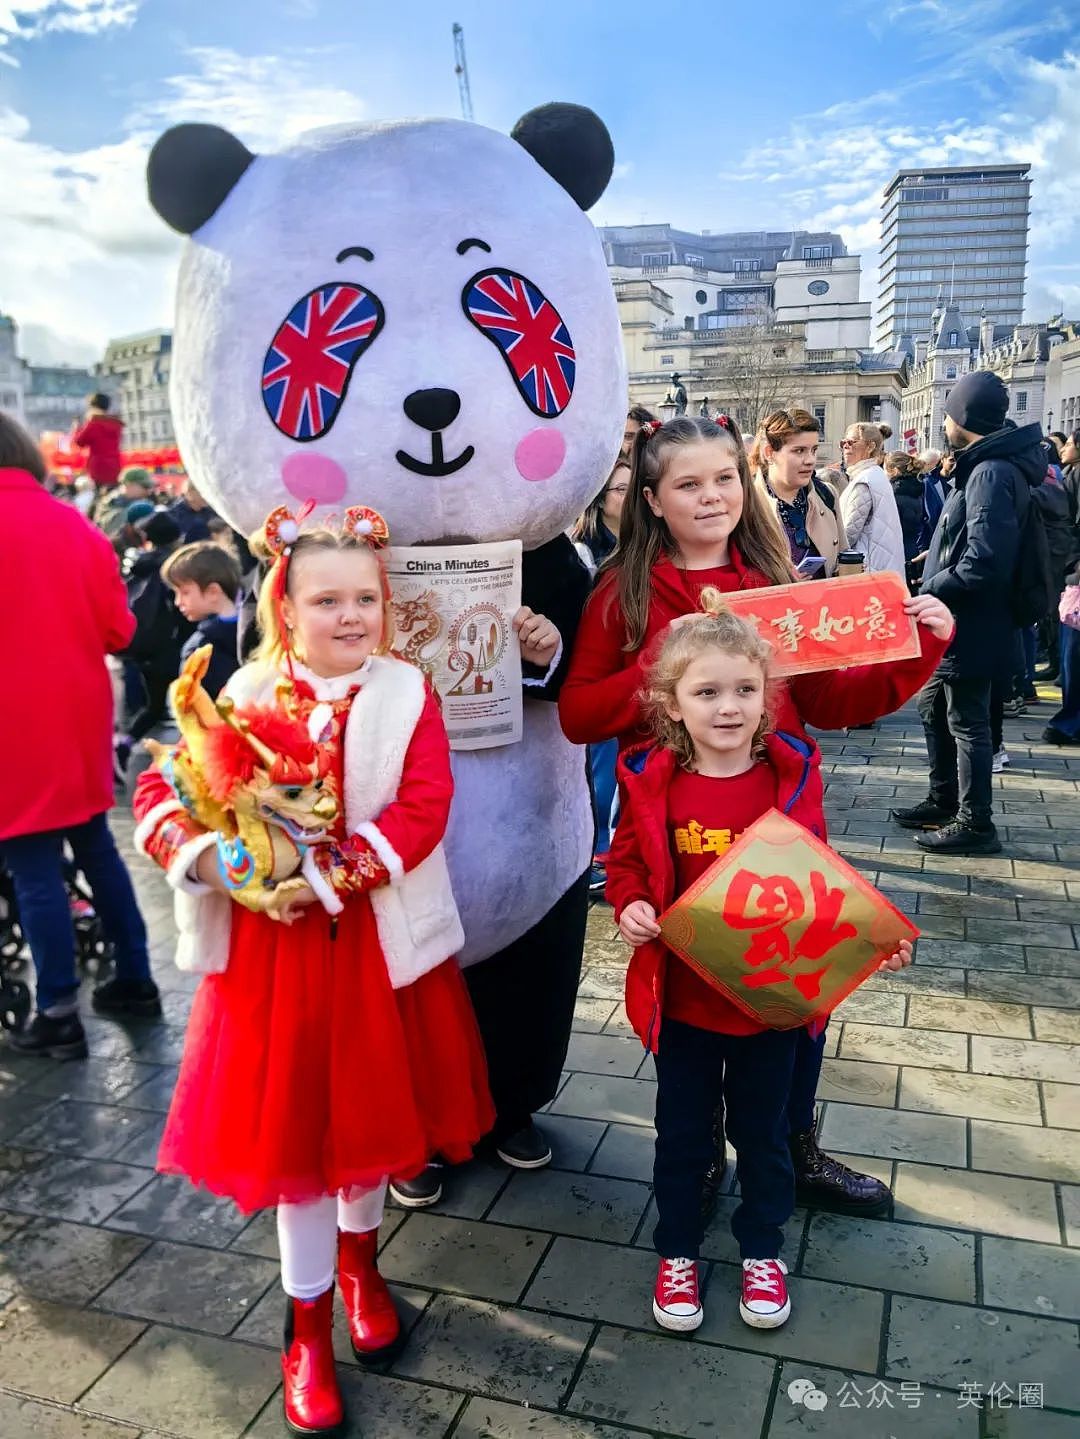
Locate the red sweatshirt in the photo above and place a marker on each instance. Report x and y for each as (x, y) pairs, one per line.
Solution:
(599, 698)
(642, 865)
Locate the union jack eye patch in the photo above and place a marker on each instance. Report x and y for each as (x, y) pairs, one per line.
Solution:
(530, 335)
(310, 361)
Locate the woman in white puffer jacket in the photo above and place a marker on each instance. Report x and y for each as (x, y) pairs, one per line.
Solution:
(868, 505)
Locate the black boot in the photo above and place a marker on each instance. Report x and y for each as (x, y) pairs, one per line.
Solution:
(822, 1182)
(53, 1038)
(714, 1175)
(927, 814)
(960, 837)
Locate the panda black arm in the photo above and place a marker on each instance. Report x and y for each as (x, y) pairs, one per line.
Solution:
(554, 583)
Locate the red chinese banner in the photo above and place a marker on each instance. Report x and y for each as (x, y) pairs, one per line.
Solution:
(828, 624)
(783, 926)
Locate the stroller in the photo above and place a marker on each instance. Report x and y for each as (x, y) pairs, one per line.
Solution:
(93, 952)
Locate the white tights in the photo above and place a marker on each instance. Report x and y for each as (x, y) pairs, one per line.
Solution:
(307, 1237)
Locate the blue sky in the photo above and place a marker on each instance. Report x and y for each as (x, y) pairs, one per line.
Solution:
(768, 116)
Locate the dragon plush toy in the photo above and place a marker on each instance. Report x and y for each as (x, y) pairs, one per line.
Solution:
(255, 776)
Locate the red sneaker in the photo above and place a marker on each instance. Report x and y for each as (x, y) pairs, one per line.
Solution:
(765, 1303)
(676, 1302)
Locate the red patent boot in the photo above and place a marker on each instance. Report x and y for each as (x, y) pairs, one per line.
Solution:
(374, 1326)
(311, 1395)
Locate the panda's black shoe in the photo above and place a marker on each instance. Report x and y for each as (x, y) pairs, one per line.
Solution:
(420, 1192)
(525, 1149)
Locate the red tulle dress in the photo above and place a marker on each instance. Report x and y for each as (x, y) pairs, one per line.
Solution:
(305, 1074)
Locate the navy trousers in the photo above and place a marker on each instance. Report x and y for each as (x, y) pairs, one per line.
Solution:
(753, 1073)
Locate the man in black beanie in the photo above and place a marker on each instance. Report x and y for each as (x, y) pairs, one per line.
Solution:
(971, 567)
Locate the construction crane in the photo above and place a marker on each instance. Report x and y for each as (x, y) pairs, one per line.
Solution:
(461, 70)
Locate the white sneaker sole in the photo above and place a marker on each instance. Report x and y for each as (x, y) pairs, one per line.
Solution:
(765, 1321)
(680, 1323)
(409, 1201)
(516, 1163)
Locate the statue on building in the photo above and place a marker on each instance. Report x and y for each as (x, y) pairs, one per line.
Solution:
(676, 395)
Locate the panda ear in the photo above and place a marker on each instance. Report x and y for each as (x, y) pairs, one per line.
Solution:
(190, 171)
(572, 144)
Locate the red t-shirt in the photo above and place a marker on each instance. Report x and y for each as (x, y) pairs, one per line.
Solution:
(705, 817)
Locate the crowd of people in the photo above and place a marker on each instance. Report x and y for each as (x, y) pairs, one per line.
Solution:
(685, 726)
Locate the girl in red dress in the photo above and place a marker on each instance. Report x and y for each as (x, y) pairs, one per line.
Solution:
(332, 1042)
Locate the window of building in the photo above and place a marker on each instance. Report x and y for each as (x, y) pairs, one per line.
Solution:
(817, 252)
(655, 261)
(924, 194)
(819, 416)
(701, 297)
(1021, 401)
(689, 259)
(667, 359)
(950, 372)
(954, 339)
(744, 266)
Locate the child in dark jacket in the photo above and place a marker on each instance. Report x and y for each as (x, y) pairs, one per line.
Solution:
(716, 769)
(205, 582)
(160, 633)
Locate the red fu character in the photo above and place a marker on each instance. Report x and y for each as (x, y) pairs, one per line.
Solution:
(768, 904)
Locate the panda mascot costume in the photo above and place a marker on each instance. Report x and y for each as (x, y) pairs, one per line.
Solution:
(364, 243)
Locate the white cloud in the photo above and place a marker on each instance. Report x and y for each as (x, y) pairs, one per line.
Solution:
(30, 19)
(265, 99)
(81, 251)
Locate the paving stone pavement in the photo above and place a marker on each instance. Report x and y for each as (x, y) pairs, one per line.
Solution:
(133, 1307)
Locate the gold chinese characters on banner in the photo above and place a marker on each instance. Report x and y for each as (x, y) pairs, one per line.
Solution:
(829, 624)
(783, 926)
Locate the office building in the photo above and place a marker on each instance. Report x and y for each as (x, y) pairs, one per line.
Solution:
(719, 281)
(961, 231)
(136, 372)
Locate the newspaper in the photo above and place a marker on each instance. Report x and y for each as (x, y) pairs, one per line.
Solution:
(454, 607)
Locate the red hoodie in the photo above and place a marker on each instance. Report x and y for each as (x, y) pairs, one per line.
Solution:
(599, 697)
(640, 864)
(100, 437)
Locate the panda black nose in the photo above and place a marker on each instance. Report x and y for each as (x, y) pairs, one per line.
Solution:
(432, 409)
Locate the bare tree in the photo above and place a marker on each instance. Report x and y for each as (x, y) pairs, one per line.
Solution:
(750, 372)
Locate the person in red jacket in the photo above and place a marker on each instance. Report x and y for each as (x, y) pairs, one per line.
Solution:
(99, 435)
(693, 518)
(61, 619)
(718, 767)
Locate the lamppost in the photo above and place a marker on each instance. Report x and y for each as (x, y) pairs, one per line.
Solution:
(667, 409)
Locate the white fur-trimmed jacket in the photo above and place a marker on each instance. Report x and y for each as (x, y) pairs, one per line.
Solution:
(397, 789)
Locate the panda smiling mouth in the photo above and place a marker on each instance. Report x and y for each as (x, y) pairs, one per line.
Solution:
(438, 465)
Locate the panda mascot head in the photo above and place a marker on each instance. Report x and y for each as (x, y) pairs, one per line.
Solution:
(415, 316)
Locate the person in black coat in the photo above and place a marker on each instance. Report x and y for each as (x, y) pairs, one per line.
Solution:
(907, 488)
(971, 567)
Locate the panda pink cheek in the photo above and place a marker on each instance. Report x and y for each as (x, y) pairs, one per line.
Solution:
(314, 477)
(540, 454)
